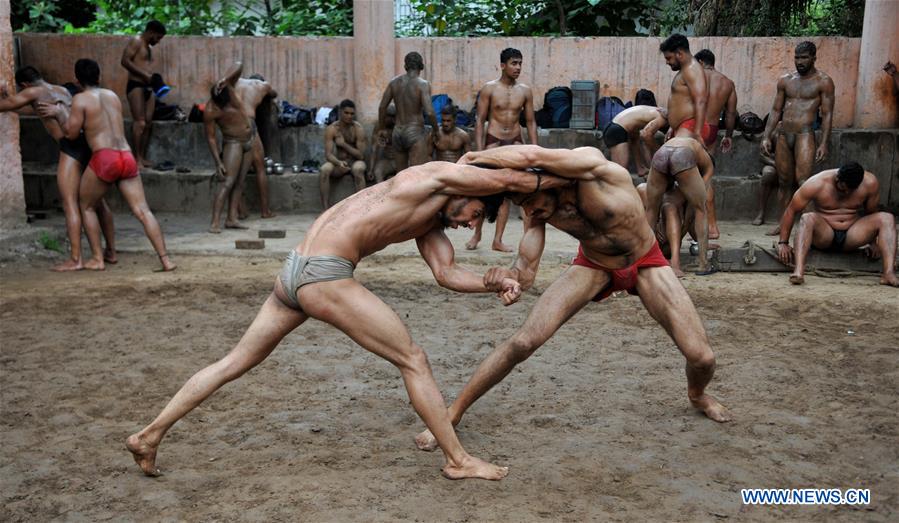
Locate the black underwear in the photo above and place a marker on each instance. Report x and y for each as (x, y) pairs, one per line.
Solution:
(77, 149)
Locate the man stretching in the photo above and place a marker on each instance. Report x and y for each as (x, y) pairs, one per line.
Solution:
(99, 112)
(252, 92)
(845, 218)
(317, 282)
(617, 251)
(632, 134)
(225, 109)
(73, 158)
(500, 104)
(137, 59)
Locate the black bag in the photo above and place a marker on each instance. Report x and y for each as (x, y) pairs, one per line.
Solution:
(750, 123)
(295, 116)
(195, 115)
(556, 108)
(166, 112)
(333, 116)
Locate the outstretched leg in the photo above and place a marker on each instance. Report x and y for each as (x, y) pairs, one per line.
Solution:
(372, 324)
(274, 321)
(563, 299)
(133, 191)
(669, 304)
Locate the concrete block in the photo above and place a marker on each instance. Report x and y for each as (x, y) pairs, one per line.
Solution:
(272, 233)
(249, 244)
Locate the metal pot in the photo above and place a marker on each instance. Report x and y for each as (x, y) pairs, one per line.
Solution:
(279, 169)
(269, 162)
(295, 169)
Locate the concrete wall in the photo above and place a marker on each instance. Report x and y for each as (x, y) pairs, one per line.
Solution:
(12, 197)
(305, 70)
(322, 71)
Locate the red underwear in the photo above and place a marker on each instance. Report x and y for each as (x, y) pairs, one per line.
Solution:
(623, 279)
(709, 131)
(111, 165)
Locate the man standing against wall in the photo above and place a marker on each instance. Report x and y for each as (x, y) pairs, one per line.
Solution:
(500, 103)
(722, 97)
(412, 96)
(137, 59)
(801, 95)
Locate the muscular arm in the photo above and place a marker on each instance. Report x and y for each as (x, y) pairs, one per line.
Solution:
(357, 152)
(826, 109)
(330, 155)
(578, 164)
(127, 62)
(529, 118)
(873, 199)
(428, 107)
(209, 130)
(801, 199)
(18, 100)
(468, 180)
(775, 114)
(438, 253)
(480, 139)
(730, 114)
(648, 134)
(530, 249)
(386, 98)
(699, 92)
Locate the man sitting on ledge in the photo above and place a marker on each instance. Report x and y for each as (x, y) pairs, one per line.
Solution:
(845, 218)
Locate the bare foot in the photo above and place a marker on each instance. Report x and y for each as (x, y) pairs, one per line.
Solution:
(267, 215)
(711, 408)
(501, 247)
(797, 279)
(110, 257)
(144, 455)
(215, 229)
(758, 220)
(94, 265)
(773, 232)
(241, 216)
(677, 272)
(167, 264)
(476, 468)
(472, 244)
(68, 266)
(714, 234)
(235, 225)
(714, 246)
(426, 441)
(889, 279)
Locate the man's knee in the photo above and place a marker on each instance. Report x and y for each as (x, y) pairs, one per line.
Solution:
(886, 220)
(326, 169)
(414, 359)
(703, 360)
(358, 169)
(522, 345)
(808, 220)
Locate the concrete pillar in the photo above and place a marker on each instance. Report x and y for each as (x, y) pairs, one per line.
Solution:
(12, 188)
(373, 57)
(876, 106)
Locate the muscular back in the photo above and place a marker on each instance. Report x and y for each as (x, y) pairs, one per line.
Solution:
(635, 118)
(680, 104)
(52, 94)
(103, 124)
(720, 90)
(801, 99)
(252, 93)
(409, 96)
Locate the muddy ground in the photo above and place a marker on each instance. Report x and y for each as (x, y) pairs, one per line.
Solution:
(596, 426)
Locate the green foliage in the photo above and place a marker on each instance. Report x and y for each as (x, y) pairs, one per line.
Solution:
(49, 242)
(188, 17)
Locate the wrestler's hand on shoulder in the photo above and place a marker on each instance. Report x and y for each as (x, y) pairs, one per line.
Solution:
(494, 277)
(48, 109)
(511, 291)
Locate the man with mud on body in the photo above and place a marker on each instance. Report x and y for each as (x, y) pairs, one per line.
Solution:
(685, 161)
(801, 95)
(252, 92)
(722, 98)
(137, 58)
(675, 221)
(97, 112)
(412, 96)
(317, 282)
(632, 134)
(344, 152)
(689, 91)
(383, 154)
(845, 218)
(451, 142)
(617, 251)
(500, 104)
(74, 156)
(226, 110)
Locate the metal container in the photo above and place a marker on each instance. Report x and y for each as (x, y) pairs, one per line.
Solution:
(583, 104)
(279, 169)
(295, 168)
(269, 162)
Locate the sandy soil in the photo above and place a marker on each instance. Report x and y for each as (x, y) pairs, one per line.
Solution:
(596, 426)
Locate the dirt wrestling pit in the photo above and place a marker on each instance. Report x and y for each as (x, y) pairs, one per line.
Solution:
(596, 426)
